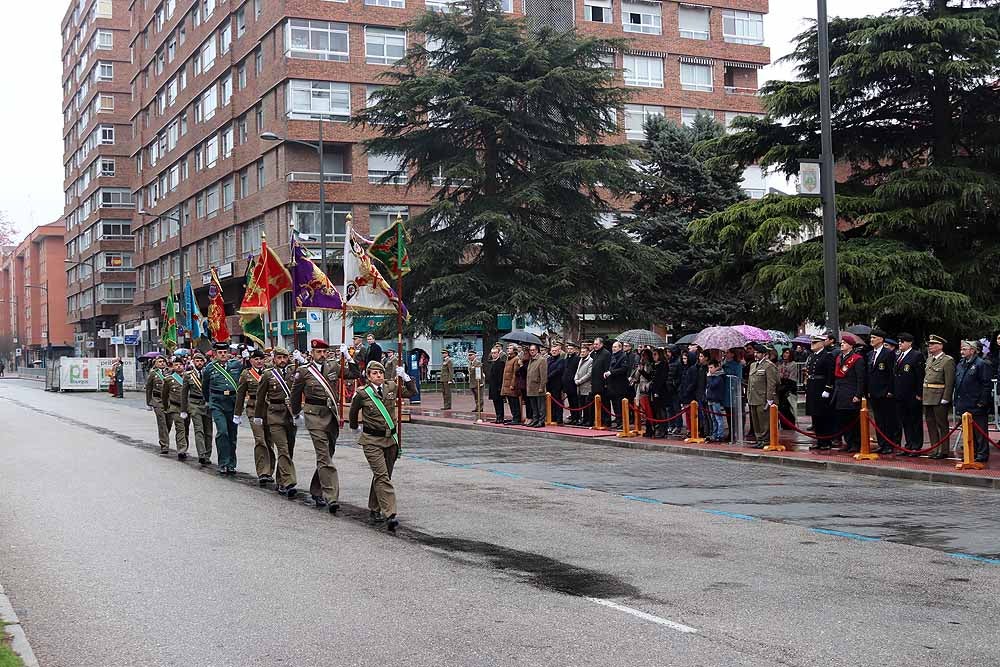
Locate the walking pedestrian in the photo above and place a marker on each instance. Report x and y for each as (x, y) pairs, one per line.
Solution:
(195, 410)
(848, 390)
(762, 391)
(447, 377)
(119, 371)
(154, 402)
(373, 415)
(938, 389)
(973, 394)
(246, 400)
(907, 383)
(173, 412)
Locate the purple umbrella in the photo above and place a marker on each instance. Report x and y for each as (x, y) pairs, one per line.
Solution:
(720, 338)
(804, 340)
(753, 334)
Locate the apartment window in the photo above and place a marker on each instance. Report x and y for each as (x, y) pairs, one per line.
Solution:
(313, 99)
(207, 57)
(212, 200)
(107, 167)
(107, 134)
(209, 103)
(740, 27)
(116, 198)
(214, 250)
(227, 194)
(105, 39)
(199, 205)
(116, 292)
(226, 90)
(241, 21)
(258, 61)
(105, 103)
(209, 6)
(507, 6)
(211, 152)
(643, 71)
(260, 174)
(317, 40)
(369, 91)
(693, 22)
(385, 166)
(257, 8)
(381, 216)
(636, 116)
(241, 76)
(244, 183)
(259, 118)
(688, 116)
(117, 261)
(225, 38)
(116, 229)
(102, 9)
(641, 17)
(384, 46)
(305, 216)
(399, 4)
(598, 11)
(250, 234)
(696, 77)
(200, 255)
(105, 71)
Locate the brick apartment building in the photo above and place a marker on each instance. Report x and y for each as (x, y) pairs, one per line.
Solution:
(182, 180)
(32, 294)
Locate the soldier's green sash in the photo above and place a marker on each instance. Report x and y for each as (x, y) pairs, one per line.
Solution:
(382, 409)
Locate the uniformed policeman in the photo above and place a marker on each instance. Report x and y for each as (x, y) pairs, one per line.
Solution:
(375, 404)
(819, 388)
(315, 392)
(939, 384)
(246, 399)
(907, 383)
(219, 380)
(176, 416)
(273, 412)
(194, 409)
(154, 402)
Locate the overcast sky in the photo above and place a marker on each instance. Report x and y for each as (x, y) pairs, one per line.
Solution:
(31, 171)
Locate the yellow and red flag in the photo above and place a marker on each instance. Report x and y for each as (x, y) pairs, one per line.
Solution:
(217, 311)
(268, 279)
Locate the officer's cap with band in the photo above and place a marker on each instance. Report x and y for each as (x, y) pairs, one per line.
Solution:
(220, 346)
(280, 350)
(374, 366)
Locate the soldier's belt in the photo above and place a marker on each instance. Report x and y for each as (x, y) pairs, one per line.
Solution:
(279, 401)
(377, 432)
(176, 404)
(227, 392)
(316, 401)
(934, 386)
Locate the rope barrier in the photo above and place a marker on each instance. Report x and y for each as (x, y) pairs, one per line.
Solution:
(566, 407)
(653, 420)
(986, 435)
(790, 424)
(916, 452)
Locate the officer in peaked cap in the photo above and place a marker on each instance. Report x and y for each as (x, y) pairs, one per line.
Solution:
(195, 410)
(246, 399)
(819, 389)
(273, 412)
(220, 382)
(939, 385)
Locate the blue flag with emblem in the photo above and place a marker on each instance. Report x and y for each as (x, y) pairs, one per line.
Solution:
(192, 314)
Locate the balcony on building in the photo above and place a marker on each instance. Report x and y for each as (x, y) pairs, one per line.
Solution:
(740, 78)
(303, 163)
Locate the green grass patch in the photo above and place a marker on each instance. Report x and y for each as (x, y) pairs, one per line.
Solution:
(7, 657)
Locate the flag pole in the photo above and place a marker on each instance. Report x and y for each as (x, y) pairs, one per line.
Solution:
(267, 314)
(341, 389)
(399, 329)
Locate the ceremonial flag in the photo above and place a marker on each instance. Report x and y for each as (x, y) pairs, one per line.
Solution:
(364, 287)
(169, 335)
(251, 317)
(311, 287)
(217, 311)
(267, 278)
(389, 247)
(193, 320)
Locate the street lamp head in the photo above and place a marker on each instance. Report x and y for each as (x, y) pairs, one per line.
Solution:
(269, 136)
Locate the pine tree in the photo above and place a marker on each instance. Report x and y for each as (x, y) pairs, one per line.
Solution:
(682, 182)
(507, 124)
(915, 118)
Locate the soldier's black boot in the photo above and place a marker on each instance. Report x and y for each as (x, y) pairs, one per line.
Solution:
(392, 523)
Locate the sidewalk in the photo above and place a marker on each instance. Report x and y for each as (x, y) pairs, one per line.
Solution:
(462, 415)
(10, 626)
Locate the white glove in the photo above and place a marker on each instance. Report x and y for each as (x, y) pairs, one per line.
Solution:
(343, 350)
(401, 373)
(184, 415)
(607, 374)
(298, 419)
(238, 419)
(297, 356)
(770, 403)
(259, 421)
(149, 407)
(356, 430)
(944, 401)
(825, 394)
(246, 354)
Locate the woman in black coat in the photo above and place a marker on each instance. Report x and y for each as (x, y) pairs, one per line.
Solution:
(494, 381)
(616, 382)
(658, 391)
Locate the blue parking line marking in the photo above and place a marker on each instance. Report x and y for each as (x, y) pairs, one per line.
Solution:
(732, 515)
(568, 486)
(978, 559)
(505, 473)
(456, 465)
(643, 499)
(850, 536)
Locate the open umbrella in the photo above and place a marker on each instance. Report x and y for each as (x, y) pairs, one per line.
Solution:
(641, 337)
(720, 338)
(686, 340)
(151, 355)
(778, 336)
(753, 334)
(860, 329)
(522, 337)
(851, 338)
(802, 340)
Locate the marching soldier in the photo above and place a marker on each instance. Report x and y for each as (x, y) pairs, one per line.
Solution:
(246, 398)
(907, 383)
(273, 412)
(376, 405)
(315, 395)
(193, 408)
(219, 380)
(154, 402)
(819, 388)
(939, 383)
(173, 385)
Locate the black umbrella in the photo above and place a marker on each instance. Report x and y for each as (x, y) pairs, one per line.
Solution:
(521, 336)
(860, 329)
(686, 340)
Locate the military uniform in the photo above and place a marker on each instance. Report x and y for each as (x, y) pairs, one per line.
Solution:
(220, 385)
(193, 403)
(447, 375)
(154, 399)
(819, 381)
(173, 385)
(246, 399)
(939, 384)
(315, 394)
(476, 384)
(878, 385)
(379, 441)
(907, 383)
(762, 390)
(274, 407)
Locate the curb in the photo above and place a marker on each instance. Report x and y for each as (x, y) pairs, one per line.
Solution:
(937, 476)
(18, 640)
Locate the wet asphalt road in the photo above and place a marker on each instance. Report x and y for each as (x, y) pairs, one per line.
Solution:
(514, 551)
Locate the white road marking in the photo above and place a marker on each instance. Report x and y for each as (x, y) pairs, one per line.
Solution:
(679, 627)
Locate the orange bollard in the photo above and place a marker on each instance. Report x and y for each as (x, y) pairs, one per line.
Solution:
(598, 413)
(626, 432)
(694, 424)
(636, 419)
(866, 445)
(773, 445)
(968, 446)
(548, 410)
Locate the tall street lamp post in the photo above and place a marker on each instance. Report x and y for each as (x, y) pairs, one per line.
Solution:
(318, 147)
(828, 185)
